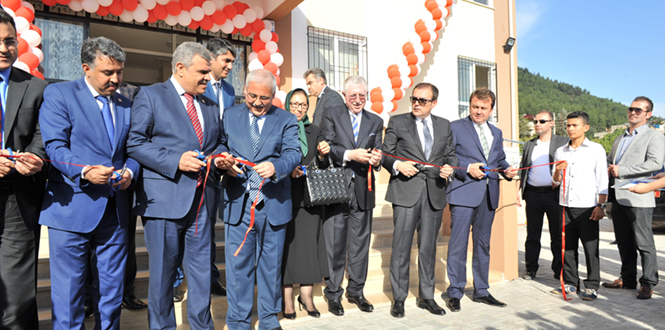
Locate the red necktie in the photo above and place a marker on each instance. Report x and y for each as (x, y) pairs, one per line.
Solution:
(191, 111)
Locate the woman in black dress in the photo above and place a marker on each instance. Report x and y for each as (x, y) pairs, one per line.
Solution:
(304, 259)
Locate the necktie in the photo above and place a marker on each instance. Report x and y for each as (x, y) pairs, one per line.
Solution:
(356, 128)
(428, 140)
(483, 142)
(108, 118)
(191, 111)
(2, 116)
(254, 178)
(218, 89)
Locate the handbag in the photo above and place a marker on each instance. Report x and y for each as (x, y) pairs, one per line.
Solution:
(325, 186)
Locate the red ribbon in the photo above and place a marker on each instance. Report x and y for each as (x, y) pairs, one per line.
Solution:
(563, 238)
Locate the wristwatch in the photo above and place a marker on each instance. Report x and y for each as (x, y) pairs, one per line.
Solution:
(602, 205)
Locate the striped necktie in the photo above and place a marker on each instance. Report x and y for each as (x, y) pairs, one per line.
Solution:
(483, 142)
(254, 178)
(428, 139)
(194, 118)
(108, 118)
(356, 128)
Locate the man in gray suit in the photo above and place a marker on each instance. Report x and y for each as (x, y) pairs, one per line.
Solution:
(418, 193)
(636, 154)
(317, 84)
(537, 192)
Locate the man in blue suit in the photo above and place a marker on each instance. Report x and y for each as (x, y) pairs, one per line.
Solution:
(86, 208)
(171, 120)
(267, 136)
(473, 197)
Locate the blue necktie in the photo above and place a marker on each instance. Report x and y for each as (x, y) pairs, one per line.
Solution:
(356, 128)
(108, 118)
(428, 139)
(254, 178)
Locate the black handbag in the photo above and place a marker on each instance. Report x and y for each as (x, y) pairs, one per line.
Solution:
(325, 186)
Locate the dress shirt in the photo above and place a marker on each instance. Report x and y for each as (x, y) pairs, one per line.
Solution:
(183, 99)
(359, 118)
(626, 140)
(540, 176)
(321, 93)
(586, 176)
(419, 127)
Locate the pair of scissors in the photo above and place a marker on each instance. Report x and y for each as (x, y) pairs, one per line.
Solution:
(119, 176)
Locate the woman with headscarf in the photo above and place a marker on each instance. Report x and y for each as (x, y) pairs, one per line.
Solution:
(304, 260)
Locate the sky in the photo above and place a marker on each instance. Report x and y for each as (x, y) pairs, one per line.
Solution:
(614, 49)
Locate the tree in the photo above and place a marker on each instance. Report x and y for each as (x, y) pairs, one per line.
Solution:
(607, 140)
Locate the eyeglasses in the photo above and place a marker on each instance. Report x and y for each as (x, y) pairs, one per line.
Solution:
(419, 100)
(637, 111)
(357, 96)
(10, 42)
(296, 105)
(542, 121)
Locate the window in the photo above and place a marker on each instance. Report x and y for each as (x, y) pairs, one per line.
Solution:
(61, 44)
(482, 2)
(339, 55)
(475, 74)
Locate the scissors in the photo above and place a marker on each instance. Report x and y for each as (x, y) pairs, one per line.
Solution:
(201, 157)
(119, 176)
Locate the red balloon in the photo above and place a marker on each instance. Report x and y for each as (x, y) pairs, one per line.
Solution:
(277, 102)
(22, 46)
(194, 25)
(258, 26)
(376, 97)
(198, 3)
(275, 37)
(219, 17)
(130, 5)
(173, 8)
(186, 4)
(408, 49)
(449, 2)
(396, 82)
(394, 105)
(240, 8)
(375, 90)
(277, 80)
(420, 27)
(377, 107)
(431, 5)
(151, 16)
(26, 13)
(264, 57)
(36, 29)
(258, 45)
(246, 31)
(425, 36)
(63, 2)
(437, 14)
(414, 71)
(418, 22)
(207, 23)
(230, 11)
(116, 8)
(398, 94)
(159, 11)
(235, 30)
(50, 3)
(103, 11)
(439, 24)
(30, 59)
(412, 59)
(393, 72)
(37, 74)
(427, 47)
(12, 4)
(272, 67)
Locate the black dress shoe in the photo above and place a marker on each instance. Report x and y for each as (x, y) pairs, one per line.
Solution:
(431, 306)
(178, 295)
(218, 289)
(335, 307)
(398, 309)
(278, 328)
(453, 305)
(488, 299)
(362, 303)
(133, 303)
(289, 316)
(314, 313)
(88, 308)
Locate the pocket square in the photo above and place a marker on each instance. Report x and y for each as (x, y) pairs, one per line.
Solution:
(371, 134)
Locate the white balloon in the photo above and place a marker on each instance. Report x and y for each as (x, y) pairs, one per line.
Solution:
(252, 56)
(22, 66)
(254, 65)
(418, 48)
(268, 25)
(75, 5)
(387, 106)
(38, 52)
(277, 58)
(227, 27)
(401, 61)
(22, 24)
(265, 35)
(426, 15)
(171, 20)
(184, 18)
(421, 57)
(220, 4)
(278, 73)
(406, 82)
(140, 14)
(433, 36)
(28, 6)
(259, 11)
(215, 28)
(126, 16)
(445, 12)
(441, 3)
(281, 95)
(250, 15)
(404, 70)
(388, 94)
(444, 23)
(147, 4)
(32, 38)
(430, 24)
(414, 39)
(90, 6)
(209, 8)
(197, 13)
(163, 2)
(10, 12)
(239, 21)
(104, 3)
(271, 46)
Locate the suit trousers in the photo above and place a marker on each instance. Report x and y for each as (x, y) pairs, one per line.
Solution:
(18, 268)
(463, 218)
(167, 241)
(632, 229)
(537, 205)
(69, 257)
(130, 266)
(347, 224)
(259, 261)
(427, 221)
(580, 228)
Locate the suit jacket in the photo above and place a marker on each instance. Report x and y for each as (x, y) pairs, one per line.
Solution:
(161, 132)
(464, 189)
(642, 158)
(74, 132)
(337, 130)
(555, 142)
(228, 94)
(328, 99)
(314, 136)
(278, 144)
(402, 140)
(22, 133)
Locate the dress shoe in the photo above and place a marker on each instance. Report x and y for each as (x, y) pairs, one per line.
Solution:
(397, 310)
(133, 303)
(314, 313)
(88, 308)
(335, 307)
(618, 284)
(431, 306)
(218, 289)
(289, 316)
(278, 328)
(178, 295)
(453, 304)
(645, 292)
(488, 299)
(362, 303)
(529, 276)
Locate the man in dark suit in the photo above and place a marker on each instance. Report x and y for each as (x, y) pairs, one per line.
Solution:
(417, 193)
(474, 196)
(537, 192)
(21, 185)
(267, 136)
(354, 136)
(317, 85)
(86, 209)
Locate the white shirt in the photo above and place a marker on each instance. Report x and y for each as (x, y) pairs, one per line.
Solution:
(540, 176)
(586, 176)
(219, 94)
(183, 99)
(488, 133)
(260, 121)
